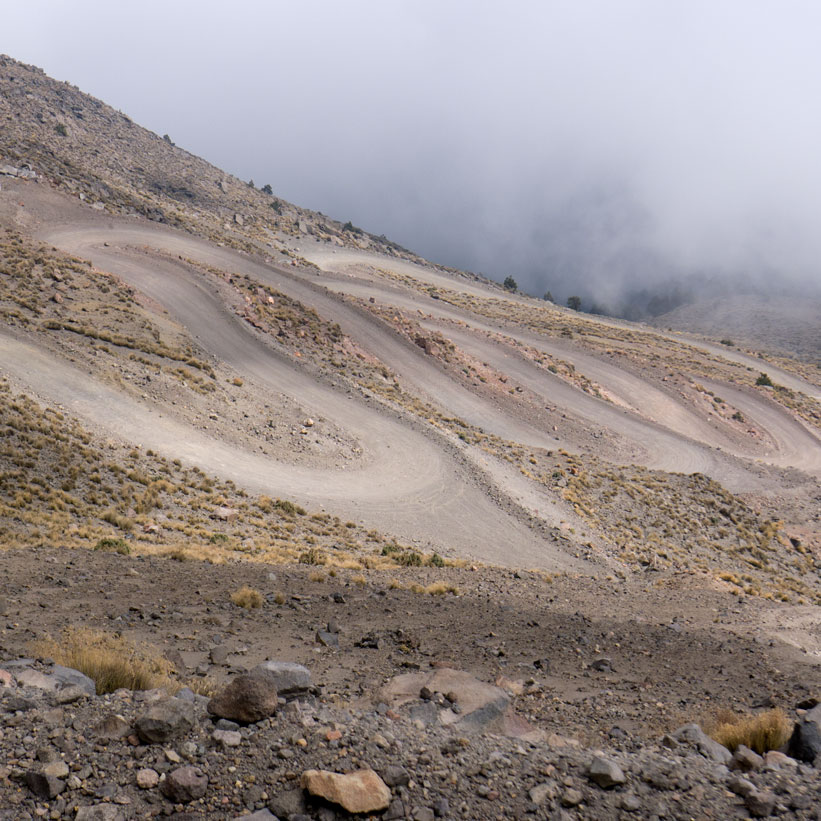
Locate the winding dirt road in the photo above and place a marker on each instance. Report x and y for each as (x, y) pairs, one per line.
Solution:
(416, 484)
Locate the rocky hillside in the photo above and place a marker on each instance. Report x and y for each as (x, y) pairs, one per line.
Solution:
(89, 150)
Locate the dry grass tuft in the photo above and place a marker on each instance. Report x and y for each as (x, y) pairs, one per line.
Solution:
(247, 597)
(112, 662)
(762, 732)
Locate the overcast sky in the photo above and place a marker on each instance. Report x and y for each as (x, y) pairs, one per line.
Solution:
(585, 147)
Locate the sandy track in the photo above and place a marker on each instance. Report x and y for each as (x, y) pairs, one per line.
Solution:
(405, 483)
(665, 433)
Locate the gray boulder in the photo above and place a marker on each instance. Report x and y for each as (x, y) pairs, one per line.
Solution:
(288, 677)
(164, 720)
(805, 742)
(695, 737)
(69, 677)
(605, 773)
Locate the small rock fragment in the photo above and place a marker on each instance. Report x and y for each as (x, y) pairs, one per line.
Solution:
(357, 792)
(605, 773)
(147, 778)
(185, 784)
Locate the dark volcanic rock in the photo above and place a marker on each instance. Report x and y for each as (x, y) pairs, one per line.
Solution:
(805, 742)
(248, 698)
(165, 720)
(185, 784)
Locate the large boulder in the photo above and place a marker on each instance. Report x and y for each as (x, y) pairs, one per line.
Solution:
(805, 742)
(247, 699)
(357, 792)
(288, 678)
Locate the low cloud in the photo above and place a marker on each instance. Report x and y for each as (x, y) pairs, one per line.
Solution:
(605, 149)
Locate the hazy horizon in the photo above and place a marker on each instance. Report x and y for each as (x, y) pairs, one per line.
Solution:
(592, 148)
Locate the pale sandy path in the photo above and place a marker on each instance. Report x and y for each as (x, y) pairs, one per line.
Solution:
(689, 444)
(405, 483)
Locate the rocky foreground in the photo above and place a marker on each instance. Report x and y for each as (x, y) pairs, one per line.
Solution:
(272, 744)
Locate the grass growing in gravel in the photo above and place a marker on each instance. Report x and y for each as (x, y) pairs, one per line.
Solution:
(762, 732)
(112, 662)
(247, 597)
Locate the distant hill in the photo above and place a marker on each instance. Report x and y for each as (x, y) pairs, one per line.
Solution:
(784, 324)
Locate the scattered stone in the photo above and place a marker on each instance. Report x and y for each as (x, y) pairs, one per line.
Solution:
(228, 738)
(357, 792)
(605, 773)
(760, 804)
(541, 792)
(219, 655)
(572, 798)
(327, 639)
(740, 786)
(225, 514)
(147, 778)
(247, 699)
(166, 719)
(44, 786)
(56, 769)
(112, 727)
(602, 665)
(99, 812)
(775, 760)
(185, 784)
(745, 759)
(395, 776)
(630, 803)
(259, 815)
(287, 803)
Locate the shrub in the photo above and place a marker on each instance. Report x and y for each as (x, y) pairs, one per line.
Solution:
(284, 506)
(408, 558)
(510, 284)
(762, 732)
(548, 297)
(763, 379)
(728, 342)
(435, 561)
(112, 662)
(247, 597)
(111, 545)
(312, 556)
(266, 189)
(61, 130)
(574, 303)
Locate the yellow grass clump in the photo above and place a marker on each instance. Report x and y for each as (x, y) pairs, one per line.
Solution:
(112, 662)
(761, 732)
(247, 597)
